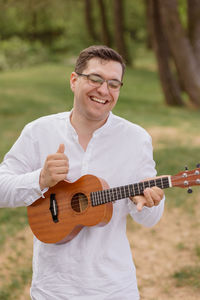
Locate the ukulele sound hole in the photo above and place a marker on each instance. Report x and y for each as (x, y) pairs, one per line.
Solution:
(79, 202)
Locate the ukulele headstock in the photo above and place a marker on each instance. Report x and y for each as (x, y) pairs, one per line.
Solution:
(187, 178)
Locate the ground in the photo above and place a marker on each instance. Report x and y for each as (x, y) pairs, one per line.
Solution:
(163, 250)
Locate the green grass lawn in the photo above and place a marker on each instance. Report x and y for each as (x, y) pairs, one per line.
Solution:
(41, 90)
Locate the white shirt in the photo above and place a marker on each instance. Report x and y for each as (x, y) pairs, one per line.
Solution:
(97, 264)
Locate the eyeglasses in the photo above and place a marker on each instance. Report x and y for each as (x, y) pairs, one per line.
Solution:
(97, 81)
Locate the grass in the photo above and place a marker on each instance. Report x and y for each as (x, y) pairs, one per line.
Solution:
(11, 221)
(12, 289)
(30, 93)
(188, 276)
(197, 251)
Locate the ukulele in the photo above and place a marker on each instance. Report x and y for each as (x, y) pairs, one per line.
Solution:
(68, 207)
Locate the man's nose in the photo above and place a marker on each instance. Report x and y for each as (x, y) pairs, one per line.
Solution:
(103, 89)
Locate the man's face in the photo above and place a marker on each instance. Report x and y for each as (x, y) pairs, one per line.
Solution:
(95, 103)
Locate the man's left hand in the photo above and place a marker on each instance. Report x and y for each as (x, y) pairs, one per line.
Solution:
(152, 197)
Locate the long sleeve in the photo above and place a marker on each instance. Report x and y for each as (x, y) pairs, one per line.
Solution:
(149, 216)
(19, 173)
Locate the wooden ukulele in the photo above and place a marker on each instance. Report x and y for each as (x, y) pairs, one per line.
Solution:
(68, 207)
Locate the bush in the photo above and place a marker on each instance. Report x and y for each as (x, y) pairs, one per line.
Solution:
(18, 53)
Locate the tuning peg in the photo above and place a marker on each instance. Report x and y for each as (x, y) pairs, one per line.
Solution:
(198, 165)
(186, 168)
(189, 190)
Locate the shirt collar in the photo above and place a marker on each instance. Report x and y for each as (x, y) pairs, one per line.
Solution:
(99, 131)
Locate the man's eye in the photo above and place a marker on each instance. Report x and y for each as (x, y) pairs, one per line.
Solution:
(95, 78)
(114, 84)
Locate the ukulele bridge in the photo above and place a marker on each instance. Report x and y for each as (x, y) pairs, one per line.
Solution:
(53, 208)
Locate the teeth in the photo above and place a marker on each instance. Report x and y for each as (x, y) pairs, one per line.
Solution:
(98, 100)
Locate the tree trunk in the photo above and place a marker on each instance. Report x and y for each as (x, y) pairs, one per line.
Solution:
(89, 20)
(119, 30)
(169, 84)
(194, 26)
(105, 31)
(181, 49)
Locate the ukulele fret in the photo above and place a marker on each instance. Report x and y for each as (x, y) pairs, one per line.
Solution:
(123, 192)
(159, 183)
(108, 196)
(136, 189)
(152, 183)
(114, 194)
(102, 197)
(146, 184)
(141, 188)
(132, 192)
(127, 190)
(98, 198)
(119, 194)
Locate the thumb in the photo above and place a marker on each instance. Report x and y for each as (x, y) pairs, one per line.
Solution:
(140, 204)
(61, 148)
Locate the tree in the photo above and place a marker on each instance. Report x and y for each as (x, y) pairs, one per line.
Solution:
(106, 37)
(183, 47)
(194, 26)
(89, 20)
(119, 30)
(169, 83)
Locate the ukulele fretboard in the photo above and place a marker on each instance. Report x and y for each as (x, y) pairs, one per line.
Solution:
(131, 190)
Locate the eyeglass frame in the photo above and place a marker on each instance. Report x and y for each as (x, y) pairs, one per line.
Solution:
(103, 80)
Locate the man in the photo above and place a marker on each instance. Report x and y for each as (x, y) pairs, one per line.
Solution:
(97, 264)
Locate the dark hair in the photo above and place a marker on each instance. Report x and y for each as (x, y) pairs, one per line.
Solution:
(97, 51)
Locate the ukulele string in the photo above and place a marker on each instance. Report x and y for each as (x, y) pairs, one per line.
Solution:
(103, 197)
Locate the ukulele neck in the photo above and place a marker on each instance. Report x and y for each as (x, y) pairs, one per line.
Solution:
(131, 190)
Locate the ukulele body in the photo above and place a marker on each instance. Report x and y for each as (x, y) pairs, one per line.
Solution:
(72, 209)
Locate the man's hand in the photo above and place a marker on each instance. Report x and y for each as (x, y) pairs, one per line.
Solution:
(152, 197)
(55, 168)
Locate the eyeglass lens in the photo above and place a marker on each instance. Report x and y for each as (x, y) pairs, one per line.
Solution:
(96, 80)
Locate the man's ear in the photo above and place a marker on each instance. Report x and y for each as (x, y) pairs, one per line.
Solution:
(73, 80)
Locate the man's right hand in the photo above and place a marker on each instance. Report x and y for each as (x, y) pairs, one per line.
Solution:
(55, 168)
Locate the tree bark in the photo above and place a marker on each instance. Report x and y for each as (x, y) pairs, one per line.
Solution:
(194, 26)
(119, 30)
(169, 84)
(181, 50)
(89, 20)
(106, 37)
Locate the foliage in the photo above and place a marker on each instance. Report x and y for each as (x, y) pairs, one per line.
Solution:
(182, 6)
(135, 21)
(48, 28)
(17, 53)
(59, 26)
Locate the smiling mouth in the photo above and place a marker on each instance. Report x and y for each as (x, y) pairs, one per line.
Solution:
(98, 100)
